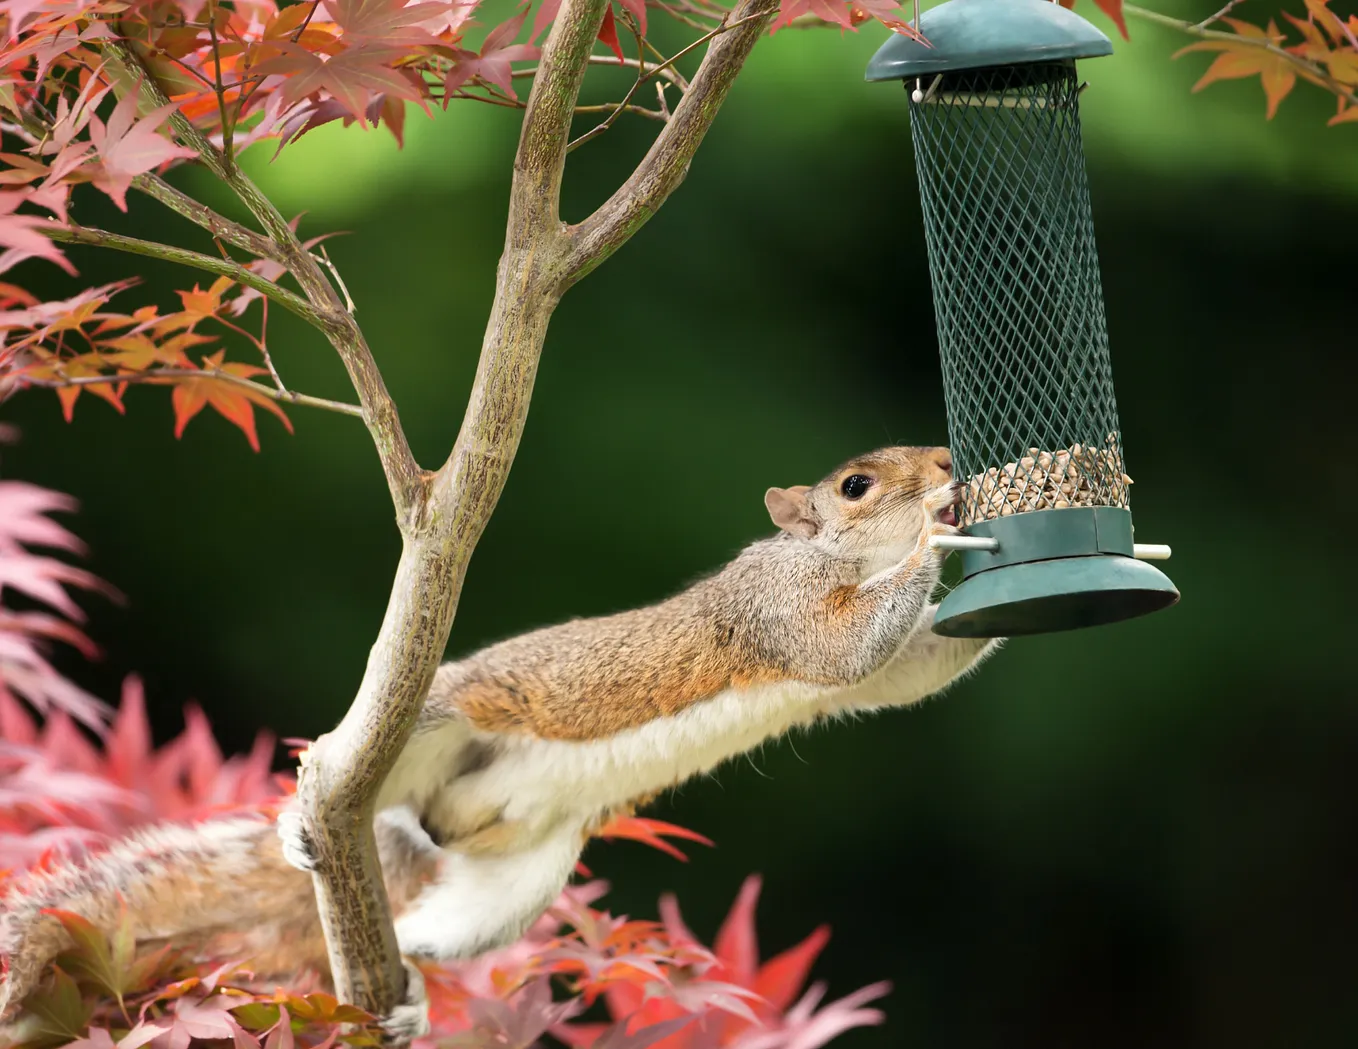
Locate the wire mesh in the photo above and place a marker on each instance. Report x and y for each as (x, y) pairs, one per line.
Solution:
(1019, 307)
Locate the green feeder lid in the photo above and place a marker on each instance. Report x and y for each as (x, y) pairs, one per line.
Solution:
(970, 34)
(1040, 597)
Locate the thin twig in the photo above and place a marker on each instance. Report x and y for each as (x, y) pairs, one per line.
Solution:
(490, 100)
(10, 127)
(166, 375)
(672, 75)
(813, 22)
(243, 96)
(662, 169)
(632, 24)
(228, 128)
(679, 16)
(602, 107)
(264, 348)
(1230, 5)
(1312, 71)
(607, 122)
(222, 267)
(349, 306)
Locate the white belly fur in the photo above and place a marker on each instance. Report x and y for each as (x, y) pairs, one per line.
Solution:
(538, 775)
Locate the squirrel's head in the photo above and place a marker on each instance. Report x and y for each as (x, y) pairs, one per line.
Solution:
(871, 506)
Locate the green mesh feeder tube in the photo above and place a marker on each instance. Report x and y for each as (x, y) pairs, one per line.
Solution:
(1046, 540)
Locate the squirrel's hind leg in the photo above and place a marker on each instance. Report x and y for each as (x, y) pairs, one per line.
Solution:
(487, 897)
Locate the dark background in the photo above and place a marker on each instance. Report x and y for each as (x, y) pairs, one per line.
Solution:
(1132, 836)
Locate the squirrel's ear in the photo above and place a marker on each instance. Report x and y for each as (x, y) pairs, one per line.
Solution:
(790, 510)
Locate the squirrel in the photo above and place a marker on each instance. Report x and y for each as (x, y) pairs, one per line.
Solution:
(526, 748)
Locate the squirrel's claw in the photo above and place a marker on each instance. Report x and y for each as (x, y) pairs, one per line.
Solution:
(297, 848)
(410, 1019)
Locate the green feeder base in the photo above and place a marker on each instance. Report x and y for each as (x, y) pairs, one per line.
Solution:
(1042, 597)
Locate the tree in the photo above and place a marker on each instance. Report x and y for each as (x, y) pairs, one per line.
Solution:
(119, 94)
(59, 791)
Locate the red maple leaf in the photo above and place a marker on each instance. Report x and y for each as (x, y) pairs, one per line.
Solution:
(650, 832)
(608, 33)
(232, 402)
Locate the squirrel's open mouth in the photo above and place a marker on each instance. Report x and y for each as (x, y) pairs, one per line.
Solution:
(948, 516)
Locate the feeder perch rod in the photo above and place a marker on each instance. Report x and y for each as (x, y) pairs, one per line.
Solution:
(963, 542)
(1141, 551)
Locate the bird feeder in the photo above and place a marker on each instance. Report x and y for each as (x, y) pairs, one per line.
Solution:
(1046, 539)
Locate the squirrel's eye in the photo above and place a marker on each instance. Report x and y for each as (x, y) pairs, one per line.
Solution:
(856, 486)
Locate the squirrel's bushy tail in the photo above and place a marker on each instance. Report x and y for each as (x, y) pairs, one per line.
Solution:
(177, 883)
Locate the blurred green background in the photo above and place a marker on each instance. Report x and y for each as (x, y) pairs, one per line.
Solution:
(1140, 835)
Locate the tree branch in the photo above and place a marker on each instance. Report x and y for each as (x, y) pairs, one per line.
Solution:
(1308, 70)
(222, 267)
(161, 375)
(405, 480)
(666, 163)
(342, 772)
(219, 226)
(535, 196)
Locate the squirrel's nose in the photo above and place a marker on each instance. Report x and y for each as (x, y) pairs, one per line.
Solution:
(945, 463)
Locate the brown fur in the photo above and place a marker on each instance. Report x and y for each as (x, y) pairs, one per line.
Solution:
(592, 678)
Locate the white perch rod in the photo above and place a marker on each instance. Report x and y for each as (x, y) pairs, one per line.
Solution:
(963, 542)
(1141, 551)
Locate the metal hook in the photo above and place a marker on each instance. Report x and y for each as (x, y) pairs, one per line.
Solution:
(917, 96)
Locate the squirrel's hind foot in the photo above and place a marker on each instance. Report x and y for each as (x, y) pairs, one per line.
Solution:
(410, 1019)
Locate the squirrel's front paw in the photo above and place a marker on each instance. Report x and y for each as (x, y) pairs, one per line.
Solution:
(410, 1019)
(297, 848)
(940, 509)
(940, 503)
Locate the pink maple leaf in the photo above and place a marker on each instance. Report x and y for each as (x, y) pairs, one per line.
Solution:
(350, 78)
(388, 22)
(493, 63)
(834, 11)
(19, 234)
(128, 147)
(733, 976)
